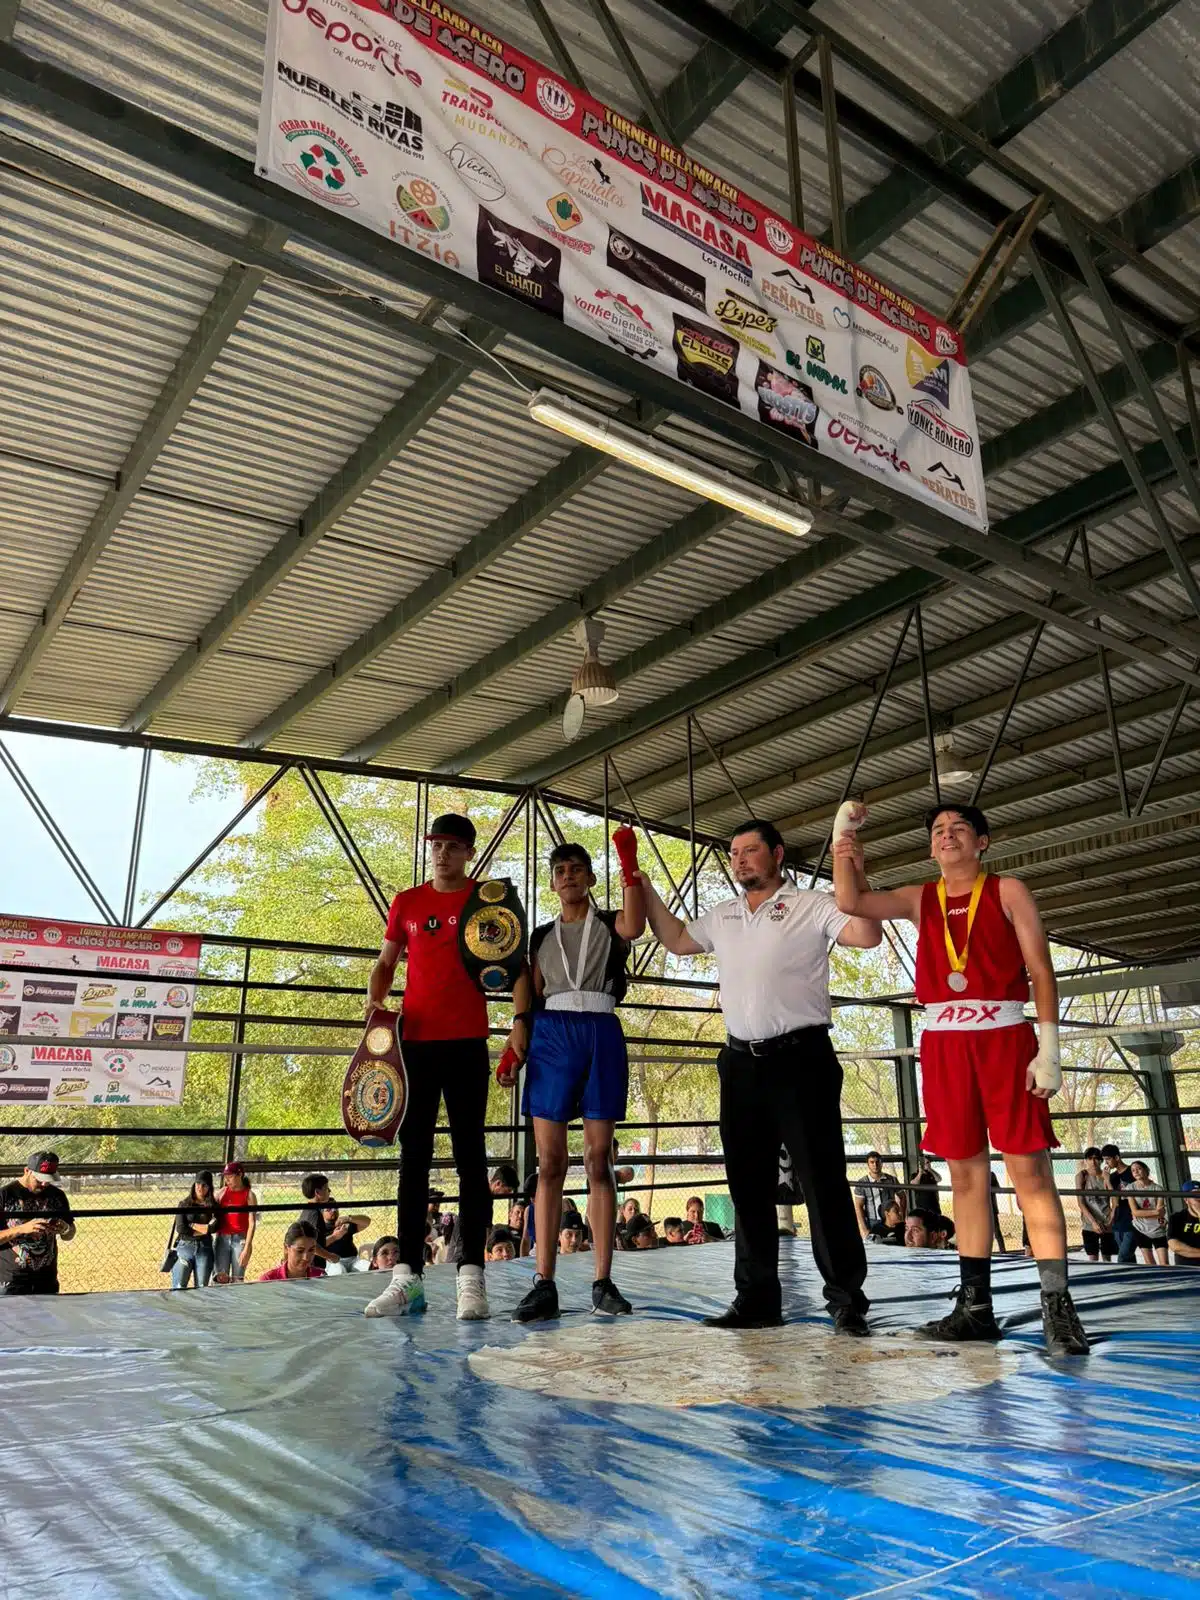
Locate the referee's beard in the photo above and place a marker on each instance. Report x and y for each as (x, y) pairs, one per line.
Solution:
(755, 880)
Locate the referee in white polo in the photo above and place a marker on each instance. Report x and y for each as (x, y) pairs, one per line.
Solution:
(781, 1082)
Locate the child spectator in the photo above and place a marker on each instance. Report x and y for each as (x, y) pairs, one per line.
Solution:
(890, 1227)
(385, 1254)
(641, 1233)
(570, 1235)
(1148, 1209)
(339, 1236)
(299, 1246)
(501, 1245)
(1094, 1199)
(674, 1231)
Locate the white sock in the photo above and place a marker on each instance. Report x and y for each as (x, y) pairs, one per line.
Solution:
(402, 1272)
(479, 1270)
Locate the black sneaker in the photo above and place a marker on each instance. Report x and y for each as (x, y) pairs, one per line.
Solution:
(847, 1320)
(1061, 1326)
(540, 1304)
(739, 1317)
(607, 1299)
(972, 1318)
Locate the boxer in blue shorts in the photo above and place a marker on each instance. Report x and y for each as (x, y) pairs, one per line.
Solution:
(577, 1065)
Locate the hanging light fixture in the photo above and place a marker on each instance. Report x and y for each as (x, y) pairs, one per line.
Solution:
(674, 466)
(593, 682)
(951, 767)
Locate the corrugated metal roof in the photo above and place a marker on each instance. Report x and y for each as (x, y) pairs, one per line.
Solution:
(107, 304)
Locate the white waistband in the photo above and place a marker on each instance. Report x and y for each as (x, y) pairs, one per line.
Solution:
(580, 1000)
(973, 1016)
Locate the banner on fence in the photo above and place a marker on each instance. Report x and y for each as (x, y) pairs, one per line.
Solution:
(418, 124)
(96, 996)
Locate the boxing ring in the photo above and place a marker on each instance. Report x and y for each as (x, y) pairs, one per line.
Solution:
(270, 1440)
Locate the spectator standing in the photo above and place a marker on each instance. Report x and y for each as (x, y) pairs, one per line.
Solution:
(330, 1237)
(196, 1223)
(1148, 1207)
(234, 1242)
(34, 1215)
(1095, 1207)
(1120, 1176)
(923, 1195)
(299, 1247)
(872, 1193)
(1183, 1230)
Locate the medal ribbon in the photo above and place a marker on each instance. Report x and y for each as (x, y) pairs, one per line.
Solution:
(575, 981)
(958, 962)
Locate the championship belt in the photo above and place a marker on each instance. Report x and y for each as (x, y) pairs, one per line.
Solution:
(375, 1088)
(491, 936)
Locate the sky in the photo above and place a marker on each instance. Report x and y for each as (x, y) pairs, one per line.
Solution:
(91, 791)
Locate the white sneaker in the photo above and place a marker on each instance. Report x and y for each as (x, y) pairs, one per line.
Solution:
(405, 1293)
(472, 1295)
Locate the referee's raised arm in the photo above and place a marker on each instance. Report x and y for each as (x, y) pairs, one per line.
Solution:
(670, 932)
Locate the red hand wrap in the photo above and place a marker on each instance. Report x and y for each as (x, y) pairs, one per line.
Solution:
(508, 1063)
(625, 840)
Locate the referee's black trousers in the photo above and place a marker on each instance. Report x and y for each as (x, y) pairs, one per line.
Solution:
(792, 1097)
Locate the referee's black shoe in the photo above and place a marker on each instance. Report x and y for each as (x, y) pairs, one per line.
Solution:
(847, 1320)
(741, 1316)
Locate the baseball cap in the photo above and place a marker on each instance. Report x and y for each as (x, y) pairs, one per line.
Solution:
(44, 1165)
(1190, 1187)
(232, 1167)
(452, 826)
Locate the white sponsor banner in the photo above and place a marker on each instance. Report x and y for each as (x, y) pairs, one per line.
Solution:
(423, 127)
(92, 995)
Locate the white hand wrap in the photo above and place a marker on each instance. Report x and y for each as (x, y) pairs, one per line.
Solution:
(850, 817)
(1047, 1071)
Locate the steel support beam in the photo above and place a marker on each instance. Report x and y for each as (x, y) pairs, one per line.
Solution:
(1060, 63)
(412, 412)
(995, 550)
(1098, 494)
(1044, 864)
(1154, 1050)
(875, 132)
(916, 782)
(1125, 451)
(1088, 811)
(1143, 886)
(908, 1099)
(135, 842)
(221, 316)
(619, 44)
(9, 11)
(556, 44)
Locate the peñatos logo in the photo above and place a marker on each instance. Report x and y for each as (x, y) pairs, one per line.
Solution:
(354, 42)
(322, 162)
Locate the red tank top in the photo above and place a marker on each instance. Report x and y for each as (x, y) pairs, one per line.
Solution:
(995, 966)
(237, 1218)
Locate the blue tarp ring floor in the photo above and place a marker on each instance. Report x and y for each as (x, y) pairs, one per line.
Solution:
(269, 1440)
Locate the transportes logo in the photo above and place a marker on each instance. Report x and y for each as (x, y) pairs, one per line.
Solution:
(322, 162)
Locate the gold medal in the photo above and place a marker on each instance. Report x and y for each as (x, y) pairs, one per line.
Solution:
(380, 1040)
(956, 978)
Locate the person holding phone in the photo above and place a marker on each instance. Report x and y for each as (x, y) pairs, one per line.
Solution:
(34, 1215)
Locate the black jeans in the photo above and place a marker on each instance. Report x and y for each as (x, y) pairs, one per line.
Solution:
(791, 1097)
(458, 1069)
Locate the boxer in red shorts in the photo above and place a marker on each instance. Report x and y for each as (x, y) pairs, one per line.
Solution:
(985, 1074)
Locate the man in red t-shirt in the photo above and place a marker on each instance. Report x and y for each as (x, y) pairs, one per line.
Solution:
(445, 1034)
(986, 1077)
